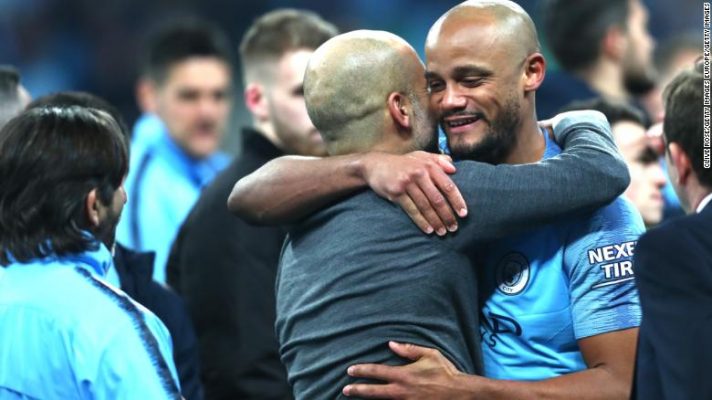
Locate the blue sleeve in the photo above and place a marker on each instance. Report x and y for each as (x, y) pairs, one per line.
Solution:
(124, 369)
(599, 263)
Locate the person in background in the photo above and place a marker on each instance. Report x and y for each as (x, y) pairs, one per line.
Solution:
(675, 54)
(13, 96)
(672, 56)
(604, 49)
(640, 152)
(224, 267)
(66, 332)
(674, 261)
(132, 271)
(185, 89)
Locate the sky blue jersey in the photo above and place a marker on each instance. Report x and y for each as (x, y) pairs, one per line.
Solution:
(545, 289)
(162, 186)
(65, 333)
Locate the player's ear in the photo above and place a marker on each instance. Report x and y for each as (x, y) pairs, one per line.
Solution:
(256, 101)
(614, 43)
(91, 208)
(534, 72)
(682, 163)
(146, 92)
(400, 110)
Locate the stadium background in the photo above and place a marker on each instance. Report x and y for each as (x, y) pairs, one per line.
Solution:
(94, 45)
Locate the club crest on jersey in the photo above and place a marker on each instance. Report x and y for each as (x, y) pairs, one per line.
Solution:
(512, 274)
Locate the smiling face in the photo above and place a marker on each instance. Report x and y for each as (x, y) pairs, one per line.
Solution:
(475, 78)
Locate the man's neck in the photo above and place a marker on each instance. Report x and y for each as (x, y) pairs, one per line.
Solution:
(267, 130)
(606, 78)
(700, 199)
(530, 145)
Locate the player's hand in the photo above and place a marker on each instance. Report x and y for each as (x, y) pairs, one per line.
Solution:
(420, 184)
(431, 376)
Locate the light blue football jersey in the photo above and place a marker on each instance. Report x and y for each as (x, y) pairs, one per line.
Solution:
(545, 289)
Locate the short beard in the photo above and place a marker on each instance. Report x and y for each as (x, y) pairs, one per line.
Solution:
(432, 146)
(106, 231)
(638, 78)
(427, 141)
(499, 140)
(638, 83)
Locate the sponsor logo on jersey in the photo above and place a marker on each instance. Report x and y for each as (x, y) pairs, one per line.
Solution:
(493, 325)
(615, 261)
(512, 274)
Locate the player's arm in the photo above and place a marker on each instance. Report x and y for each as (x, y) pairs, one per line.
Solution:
(126, 369)
(288, 188)
(609, 357)
(505, 199)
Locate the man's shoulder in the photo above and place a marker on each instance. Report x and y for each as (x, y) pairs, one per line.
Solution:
(157, 169)
(241, 166)
(210, 212)
(619, 208)
(362, 221)
(217, 191)
(679, 232)
(618, 216)
(678, 251)
(364, 208)
(72, 297)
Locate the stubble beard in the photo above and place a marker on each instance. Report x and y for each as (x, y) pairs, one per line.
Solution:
(499, 139)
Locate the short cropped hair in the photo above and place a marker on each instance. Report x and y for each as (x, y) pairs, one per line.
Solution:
(281, 31)
(180, 40)
(50, 159)
(683, 122)
(573, 29)
(10, 104)
(615, 111)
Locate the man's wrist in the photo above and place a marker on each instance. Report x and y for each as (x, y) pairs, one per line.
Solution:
(478, 388)
(357, 167)
(470, 386)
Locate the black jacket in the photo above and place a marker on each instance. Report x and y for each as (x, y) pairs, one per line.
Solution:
(225, 270)
(135, 272)
(673, 265)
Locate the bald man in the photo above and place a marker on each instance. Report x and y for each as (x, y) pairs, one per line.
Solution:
(560, 310)
(358, 272)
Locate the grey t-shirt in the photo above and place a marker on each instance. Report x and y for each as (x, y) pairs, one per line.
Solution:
(359, 273)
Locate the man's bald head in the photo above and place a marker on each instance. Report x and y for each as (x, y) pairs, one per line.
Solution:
(348, 82)
(511, 26)
(484, 67)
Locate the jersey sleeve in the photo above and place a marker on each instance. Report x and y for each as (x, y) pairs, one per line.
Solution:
(506, 199)
(598, 260)
(127, 370)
